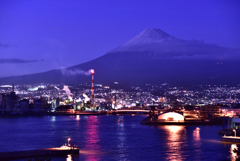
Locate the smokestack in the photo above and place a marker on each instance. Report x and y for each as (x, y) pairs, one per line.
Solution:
(92, 103)
(13, 87)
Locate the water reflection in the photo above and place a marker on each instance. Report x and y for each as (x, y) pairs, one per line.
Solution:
(233, 155)
(175, 135)
(197, 141)
(196, 136)
(53, 119)
(92, 136)
(77, 117)
(112, 137)
(53, 122)
(78, 121)
(69, 158)
(122, 148)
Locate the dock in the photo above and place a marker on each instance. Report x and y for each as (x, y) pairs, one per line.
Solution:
(186, 123)
(232, 139)
(146, 121)
(49, 152)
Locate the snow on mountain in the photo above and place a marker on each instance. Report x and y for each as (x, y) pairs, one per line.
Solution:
(157, 43)
(148, 36)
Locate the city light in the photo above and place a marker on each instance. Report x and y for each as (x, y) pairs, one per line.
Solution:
(171, 116)
(170, 93)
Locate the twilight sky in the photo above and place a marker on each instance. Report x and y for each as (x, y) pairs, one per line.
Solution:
(40, 35)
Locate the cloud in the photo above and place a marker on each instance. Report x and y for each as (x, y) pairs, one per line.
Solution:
(5, 45)
(9, 61)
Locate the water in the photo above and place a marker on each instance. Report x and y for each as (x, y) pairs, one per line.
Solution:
(114, 137)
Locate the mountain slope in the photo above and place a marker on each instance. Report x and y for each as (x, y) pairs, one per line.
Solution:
(160, 44)
(153, 56)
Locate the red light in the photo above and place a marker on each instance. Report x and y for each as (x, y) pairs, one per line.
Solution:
(92, 71)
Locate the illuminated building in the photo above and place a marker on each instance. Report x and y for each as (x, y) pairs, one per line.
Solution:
(11, 100)
(106, 105)
(210, 111)
(171, 116)
(65, 109)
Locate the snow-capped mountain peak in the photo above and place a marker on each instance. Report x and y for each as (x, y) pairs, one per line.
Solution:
(150, 35)
(158, 44)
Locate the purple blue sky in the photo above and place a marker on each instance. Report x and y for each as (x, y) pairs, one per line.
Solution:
(40, 35)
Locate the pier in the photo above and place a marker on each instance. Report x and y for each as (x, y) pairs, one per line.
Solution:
(232, 139)
(190, 123)
(174, 118)
(49, 152)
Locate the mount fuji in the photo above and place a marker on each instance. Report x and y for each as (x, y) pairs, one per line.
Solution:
(152, 56)
(162, 45)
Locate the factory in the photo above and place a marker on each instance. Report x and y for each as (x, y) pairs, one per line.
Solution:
(40, 99)
(10, 103)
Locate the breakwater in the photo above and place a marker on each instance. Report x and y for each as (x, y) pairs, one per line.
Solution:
(48, 152)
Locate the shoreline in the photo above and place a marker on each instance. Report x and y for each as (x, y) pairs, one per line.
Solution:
(79, 113)
(186, 123)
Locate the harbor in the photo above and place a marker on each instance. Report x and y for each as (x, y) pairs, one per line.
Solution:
(112, 137)
(180, 117)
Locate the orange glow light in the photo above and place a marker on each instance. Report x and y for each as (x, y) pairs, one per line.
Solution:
(171, 116)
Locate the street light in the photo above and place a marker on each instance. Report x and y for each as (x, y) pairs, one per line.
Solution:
(68, 141)
(234, 132)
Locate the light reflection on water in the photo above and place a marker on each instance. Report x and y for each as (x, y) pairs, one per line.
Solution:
(121, 137)
(233, 155)
(69, 158)
(53, 118)
(114, 138)
(92, 137)
(175, 135)
(196, 137)
(196, 134)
